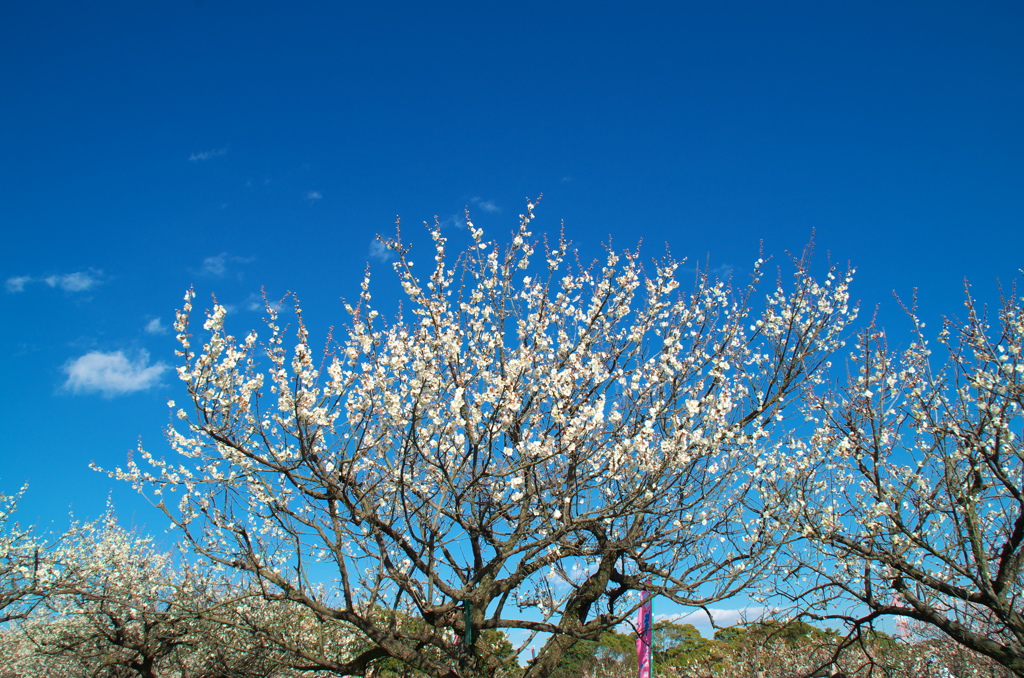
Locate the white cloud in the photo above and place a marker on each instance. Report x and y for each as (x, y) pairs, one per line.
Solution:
(72, 282)
(485, 205)
(722, 617)
(218, 266)
(258, 302)
(314, 195)
(723, 272)
(112, 374)
(155, 326)
(206, 155)
(452, 221)
(17, 283)
(380, 251)
(79, 281)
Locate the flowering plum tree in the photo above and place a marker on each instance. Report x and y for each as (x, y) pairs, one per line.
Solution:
(111, 605)
(114, 605)
(516, 451)
(911, 490)
(20, 566)
(922, 644)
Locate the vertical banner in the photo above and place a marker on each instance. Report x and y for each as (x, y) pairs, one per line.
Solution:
(643, 637)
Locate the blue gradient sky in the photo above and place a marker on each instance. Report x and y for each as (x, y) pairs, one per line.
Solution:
(149, 146)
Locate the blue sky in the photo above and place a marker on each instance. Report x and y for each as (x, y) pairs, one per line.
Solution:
(146, 147)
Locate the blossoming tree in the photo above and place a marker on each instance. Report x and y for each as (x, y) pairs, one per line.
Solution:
(21, 567)
(911, 490)
(115, 605)
(515, 451)
(111, 603)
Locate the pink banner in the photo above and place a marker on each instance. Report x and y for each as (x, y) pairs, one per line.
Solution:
(643, 637)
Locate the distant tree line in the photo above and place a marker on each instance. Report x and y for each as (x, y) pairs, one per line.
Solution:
(774, 648)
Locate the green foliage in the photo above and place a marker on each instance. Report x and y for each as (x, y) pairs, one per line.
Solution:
(677, 648)
(617, 647)
(730, 634)
(793, 633)
(670, 639)
(577, 661)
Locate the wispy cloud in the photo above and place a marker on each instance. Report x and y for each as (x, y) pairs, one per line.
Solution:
(112, 374)
(724, 271)
(79, 281)
(17, 283)
(380, 252)
(217, 266)
(722, 617)
(485, 205)
(254, 302)
(313, 196)
(720, 272)
(72, 282)
(258, 302)
(156, 326)
(452, 221)
(207, 155)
